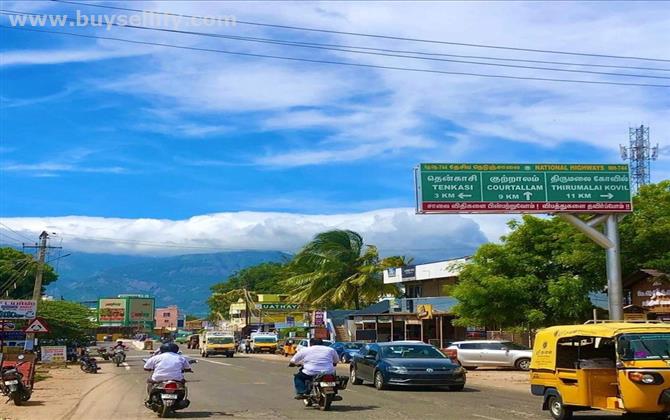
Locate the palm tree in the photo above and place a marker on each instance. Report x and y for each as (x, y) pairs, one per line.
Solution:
(336, 269)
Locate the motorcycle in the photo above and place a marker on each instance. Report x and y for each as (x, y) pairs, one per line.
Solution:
(323, 390)
(88, 364)
(11, 383)
(166, 397)
(119, 357)
(102, 352)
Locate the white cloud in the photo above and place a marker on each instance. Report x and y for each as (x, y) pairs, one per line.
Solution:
(53, 168)
(394, 231)
(44, 57)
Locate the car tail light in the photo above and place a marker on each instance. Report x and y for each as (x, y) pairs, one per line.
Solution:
(451, 353)
(171, 387)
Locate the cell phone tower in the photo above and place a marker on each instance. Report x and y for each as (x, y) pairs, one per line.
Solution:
(639, 153)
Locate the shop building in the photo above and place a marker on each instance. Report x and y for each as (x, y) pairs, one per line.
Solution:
(267, 312)
(647, 296)
(424, 313)
(169, 318)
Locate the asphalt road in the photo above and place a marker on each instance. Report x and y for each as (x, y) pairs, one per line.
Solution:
(253, 388)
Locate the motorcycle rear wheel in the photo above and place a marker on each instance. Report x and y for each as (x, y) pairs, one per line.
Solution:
(325, 401)
(164, 411)
(16, 397)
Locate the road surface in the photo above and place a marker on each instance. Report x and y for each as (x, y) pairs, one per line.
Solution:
(257, 388)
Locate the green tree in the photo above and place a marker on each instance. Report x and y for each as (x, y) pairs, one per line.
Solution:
(645, 234)
(336, 269)
(17, 274)
(67, 320)
(261, 278)
(542, 272)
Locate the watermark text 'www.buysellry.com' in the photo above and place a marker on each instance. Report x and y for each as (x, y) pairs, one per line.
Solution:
(108, 21)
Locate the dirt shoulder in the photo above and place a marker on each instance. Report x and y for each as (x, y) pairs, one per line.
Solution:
(56, 395)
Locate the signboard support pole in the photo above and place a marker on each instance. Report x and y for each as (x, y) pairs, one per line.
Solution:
(610, 242)
(614, 282)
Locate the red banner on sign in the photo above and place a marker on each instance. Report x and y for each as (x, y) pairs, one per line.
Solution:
(520, 207)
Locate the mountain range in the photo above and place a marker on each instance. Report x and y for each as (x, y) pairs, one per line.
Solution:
(182, 280)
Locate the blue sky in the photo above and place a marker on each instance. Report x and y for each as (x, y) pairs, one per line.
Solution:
(102, 129)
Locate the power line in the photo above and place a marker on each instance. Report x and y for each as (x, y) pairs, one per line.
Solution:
(390, 37)
(354, 49)
(343, 63)
(12, 230)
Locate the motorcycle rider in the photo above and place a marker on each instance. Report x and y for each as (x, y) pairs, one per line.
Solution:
(168, 365)
(120, 346)
(315, 359)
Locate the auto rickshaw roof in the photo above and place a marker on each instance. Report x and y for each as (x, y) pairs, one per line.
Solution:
(604, 329)
(544, 348)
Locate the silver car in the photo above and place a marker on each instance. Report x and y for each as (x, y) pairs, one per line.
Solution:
(480, 353)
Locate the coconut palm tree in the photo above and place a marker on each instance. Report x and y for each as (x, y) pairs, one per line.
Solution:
(336, 269)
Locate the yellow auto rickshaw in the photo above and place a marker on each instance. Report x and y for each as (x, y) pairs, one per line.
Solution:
(621, 367)
(289, 348)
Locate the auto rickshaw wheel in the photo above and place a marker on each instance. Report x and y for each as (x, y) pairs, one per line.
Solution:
(556, 408)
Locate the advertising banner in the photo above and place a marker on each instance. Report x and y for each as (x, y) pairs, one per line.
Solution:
(112, 310)
(54, 354)
(17, 309)
(141, 310)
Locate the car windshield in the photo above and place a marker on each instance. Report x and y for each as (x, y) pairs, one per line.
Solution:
(515, 346)
(352, 346)
(411, 352)
(265, 340)
(644, 346)
(220, 340)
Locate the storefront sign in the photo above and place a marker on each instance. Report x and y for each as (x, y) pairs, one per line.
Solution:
(18, 309)
(54, 354)
(278, 306)
(424, 311)
(319, 317)
(409, 273)
(112, 310)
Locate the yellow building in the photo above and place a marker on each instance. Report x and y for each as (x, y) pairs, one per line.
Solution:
(272, 311)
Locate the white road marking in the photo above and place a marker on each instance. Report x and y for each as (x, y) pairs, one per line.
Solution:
(485, 417)
(125, 365)
(212, 361)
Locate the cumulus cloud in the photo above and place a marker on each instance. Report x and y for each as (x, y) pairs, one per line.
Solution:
(394, 231)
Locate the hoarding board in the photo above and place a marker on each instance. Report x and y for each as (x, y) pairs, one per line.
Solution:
(17, 309)
(523, 188)
(141, 310)
(54, 354)
(112, 310)
(278, 306)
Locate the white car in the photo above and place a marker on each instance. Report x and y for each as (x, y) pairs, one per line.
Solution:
(305, 343)
(494, 353)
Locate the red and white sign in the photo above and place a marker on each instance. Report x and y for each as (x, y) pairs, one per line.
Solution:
(37, 326)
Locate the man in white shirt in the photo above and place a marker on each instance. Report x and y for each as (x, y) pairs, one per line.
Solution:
(168, 365)
(315, 359)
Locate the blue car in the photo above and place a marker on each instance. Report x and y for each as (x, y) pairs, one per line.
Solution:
(346, 350)
(405, 363)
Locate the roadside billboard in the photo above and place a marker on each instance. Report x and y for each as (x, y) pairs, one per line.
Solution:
(141, 310)
(112, 310)
(18, 309)
(54, 354)
(522, 188)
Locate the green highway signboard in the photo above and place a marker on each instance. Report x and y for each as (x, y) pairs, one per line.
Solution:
(278, 306)
(522, 188)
